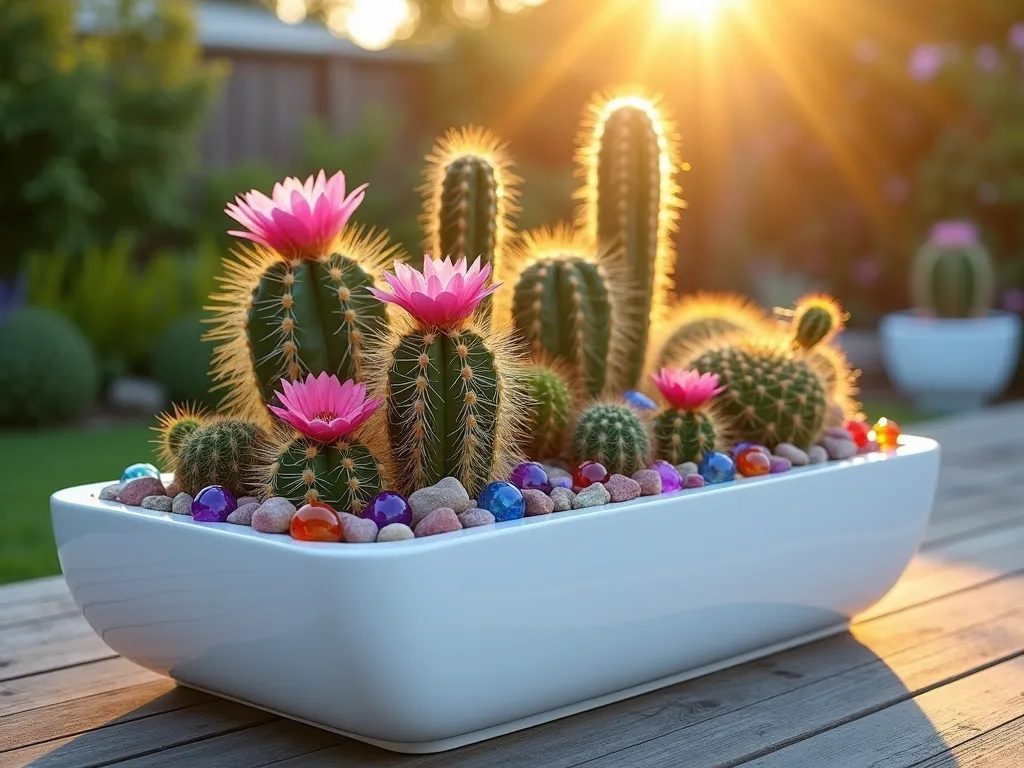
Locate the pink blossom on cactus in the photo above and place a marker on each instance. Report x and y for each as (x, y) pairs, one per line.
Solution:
(925, 61)
(323, 408)
(686, 390)
(299, 219)
(444, 294)
(954, 234)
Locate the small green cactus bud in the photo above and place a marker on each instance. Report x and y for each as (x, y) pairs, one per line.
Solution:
(345, 475)
(224, 452)
(816, 319)
(550, 411)
(614, 435)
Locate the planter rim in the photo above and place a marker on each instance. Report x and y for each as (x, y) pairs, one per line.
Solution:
(87, 495)
(990, 316)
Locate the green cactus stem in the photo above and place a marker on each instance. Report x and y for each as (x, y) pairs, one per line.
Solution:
(345, 475)
(224, 452)
(614, 435)
(550, 411)
(173, 429)
(684, 435)
(952, 277)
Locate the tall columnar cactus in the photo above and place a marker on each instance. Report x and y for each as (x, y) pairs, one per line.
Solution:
(453, 388)
(631, 201)
(689, 426)
(298, 302)
(550, 408)
(173, 429)
(613, 434)
(569, 304)
(469, 198)
(952, 273)
(223, 452)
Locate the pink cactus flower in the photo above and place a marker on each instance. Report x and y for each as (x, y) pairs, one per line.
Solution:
(686, 390)
(299, 219)
(324, 409)
(954, 234)
(443, 295)
(925, 61)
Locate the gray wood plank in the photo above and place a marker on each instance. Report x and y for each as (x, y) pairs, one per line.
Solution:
(33, 589)
(921, 728)
(1002, 747)
(40, 646)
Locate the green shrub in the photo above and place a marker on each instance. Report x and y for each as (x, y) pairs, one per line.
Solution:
(181, 362)
(48, 371)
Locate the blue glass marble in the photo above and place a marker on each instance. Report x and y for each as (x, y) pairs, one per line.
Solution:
(135, 471)
(640, 401)
(503, 500)
(717, 468)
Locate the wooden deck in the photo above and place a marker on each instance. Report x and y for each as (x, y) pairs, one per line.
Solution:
(931, 676)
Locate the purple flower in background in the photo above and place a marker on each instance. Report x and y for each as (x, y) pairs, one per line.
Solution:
(1017, 36)
(954, 234)
(987, 58)
(865, 51)
(1013, 300)
(896, 189)
(925, 61)
(866, 273)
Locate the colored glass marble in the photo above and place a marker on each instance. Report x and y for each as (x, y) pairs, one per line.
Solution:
(745, 446)
(671, 480)
(753, 463)
(640, 401)
(588, 473)
(717, 468)
(213, 504)
(530, 475)
(388, 507)
(858, 432)
(316, 522)
(503, 500)
(887, 434)
(135, 471)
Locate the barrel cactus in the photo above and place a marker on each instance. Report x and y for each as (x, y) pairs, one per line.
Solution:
(631, 201)
(952, 274)
(222, 452)
(689, 427)
(613, 434)
(453, 387)
(174, 428)
(550, 408)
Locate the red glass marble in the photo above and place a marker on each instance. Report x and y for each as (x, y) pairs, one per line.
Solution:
(752, 463)
(887, 433)
(316, 521)
(588, 473)
(858, 431)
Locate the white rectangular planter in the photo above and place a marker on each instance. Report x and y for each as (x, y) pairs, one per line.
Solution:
(429, 644)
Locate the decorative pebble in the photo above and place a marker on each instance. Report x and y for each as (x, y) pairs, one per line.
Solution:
(717, 468)
(158, 503)
(182, 504)
(444, 493)
(503, 500)
(687, 468)
(475, 517)
(556, 472)
(622, 488)
(110, 492)
(640, 401)
(273, 516)
(780, 464)
(839, 449)
(442, 520)
(817, 455)
(213, 504)
(136, 490)
(840, 433)
(358, 530)
(649, 480)
(693, 481)
(752, 463)
(789, 451)
(245, 500)
(395, 532)
(562, 499)
(887, 434)
(174, 488)
(388, 507)
(243, 515)
(135, 471)
(529, 475)
(595, 495)
(857, 430)
(316, 522)
(671, 480)
(588, 473)
(537, 502)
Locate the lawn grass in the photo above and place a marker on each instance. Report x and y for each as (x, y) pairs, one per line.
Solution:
(35, 464)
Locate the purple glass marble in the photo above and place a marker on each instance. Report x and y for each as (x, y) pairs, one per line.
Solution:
(671, 480)
(213, 504)
(780, 464)
(561, 482)
(693, 481)
(388, 507)
(530, 475)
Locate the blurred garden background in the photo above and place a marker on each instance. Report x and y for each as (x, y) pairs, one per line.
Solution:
(821, 140)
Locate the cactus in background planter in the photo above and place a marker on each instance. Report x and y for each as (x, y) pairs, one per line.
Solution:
(690, 426)
(952, 274)
(454, 390)
(174, 428)
(550, 408)
(223, 452)
(568, 304)
(469, 199)
(631, 201)
(298, 302)
(614, 435)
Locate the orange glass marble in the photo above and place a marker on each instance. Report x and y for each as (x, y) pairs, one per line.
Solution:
(887, 434)
(751, 462)
(316, 522)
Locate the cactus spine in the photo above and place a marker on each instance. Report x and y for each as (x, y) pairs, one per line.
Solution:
(223, 452)
(174, 428)
(614, 435)
(550, 411)
(345, 475)
(952, 274)
(631, 202)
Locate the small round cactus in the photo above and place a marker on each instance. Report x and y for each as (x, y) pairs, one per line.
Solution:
(614, 435)
(344, 475)
(224, 452)
(551, 408)
(688, 428)
(174, 428)
(816, 319)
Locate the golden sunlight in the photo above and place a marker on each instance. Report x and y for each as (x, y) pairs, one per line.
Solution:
(703, 12)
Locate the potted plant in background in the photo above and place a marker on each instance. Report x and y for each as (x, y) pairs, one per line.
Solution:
(952, 351)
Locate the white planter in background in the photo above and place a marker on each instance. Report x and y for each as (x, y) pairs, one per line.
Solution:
(950, 365)
(429, 644)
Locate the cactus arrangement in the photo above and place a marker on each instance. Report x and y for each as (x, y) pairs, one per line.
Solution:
(952, 274)
(613, 434)
(689, 427)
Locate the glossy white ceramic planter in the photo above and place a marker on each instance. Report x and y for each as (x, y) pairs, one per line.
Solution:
(429, 644)
(949, 365)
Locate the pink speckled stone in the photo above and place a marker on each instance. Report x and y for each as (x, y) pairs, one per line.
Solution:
(622, 488)
(273, 516)
(475, 517)
(136, 490)
(442, 520)
(649, 481)
(537, 502)
(357, 530)
(693, 481)
(243, 514)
